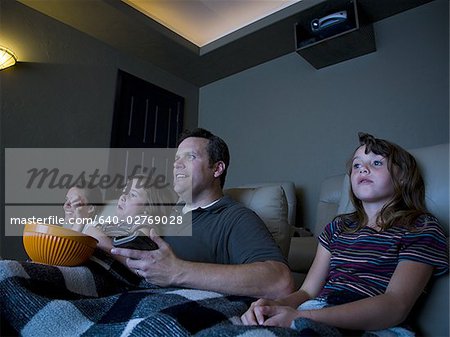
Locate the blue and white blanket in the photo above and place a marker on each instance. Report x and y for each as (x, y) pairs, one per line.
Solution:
(102, 299)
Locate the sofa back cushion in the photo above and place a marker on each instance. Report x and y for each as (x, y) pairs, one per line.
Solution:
(289, 192)
(327, 207)
(432, 311)
(434, 165)
(269, 202)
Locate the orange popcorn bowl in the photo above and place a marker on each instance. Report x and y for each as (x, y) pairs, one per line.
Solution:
(57, 245)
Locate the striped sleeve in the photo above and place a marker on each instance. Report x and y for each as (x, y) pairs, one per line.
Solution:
(331, 231)
(427, 244)
(326, 235)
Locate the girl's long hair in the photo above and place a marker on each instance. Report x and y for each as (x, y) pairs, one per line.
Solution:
(408, 202)
(160, 199)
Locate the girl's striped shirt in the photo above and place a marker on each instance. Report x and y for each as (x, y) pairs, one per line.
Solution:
(363, 262)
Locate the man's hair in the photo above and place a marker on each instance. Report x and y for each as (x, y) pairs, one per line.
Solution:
(408, 201)
(217, 148)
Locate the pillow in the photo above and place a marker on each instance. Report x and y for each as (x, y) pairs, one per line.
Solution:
(345, 205)
(434, 165)
(270, 203)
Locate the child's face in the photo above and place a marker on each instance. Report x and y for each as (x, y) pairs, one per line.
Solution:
(133, 200)
(371, 181)
(76, 204)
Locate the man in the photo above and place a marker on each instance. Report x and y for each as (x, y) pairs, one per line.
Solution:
(230, 250)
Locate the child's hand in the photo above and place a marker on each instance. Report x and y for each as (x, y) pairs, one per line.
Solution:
(77, 209)
(253, 315)
(281, 316)
(81, 209)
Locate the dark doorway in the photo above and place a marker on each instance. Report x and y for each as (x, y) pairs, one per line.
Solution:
(145, 115)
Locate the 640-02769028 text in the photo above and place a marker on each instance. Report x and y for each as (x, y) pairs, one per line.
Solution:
(141, 220)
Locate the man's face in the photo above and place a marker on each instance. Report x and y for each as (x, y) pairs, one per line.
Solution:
(191, 170)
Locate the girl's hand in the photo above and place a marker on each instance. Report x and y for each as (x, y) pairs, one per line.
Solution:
(253, 315)
(281, 316)
(80, 211)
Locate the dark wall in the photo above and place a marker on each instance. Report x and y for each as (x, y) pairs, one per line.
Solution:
(285, 120)
(61, 93)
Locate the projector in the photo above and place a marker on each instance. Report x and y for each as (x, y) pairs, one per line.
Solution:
(328, 22)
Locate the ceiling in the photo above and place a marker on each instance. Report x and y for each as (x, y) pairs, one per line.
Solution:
(205, 21)
(127, 29)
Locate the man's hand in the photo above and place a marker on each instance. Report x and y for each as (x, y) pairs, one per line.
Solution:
(159, 267)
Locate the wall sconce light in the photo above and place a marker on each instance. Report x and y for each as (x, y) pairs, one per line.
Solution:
(7, 58)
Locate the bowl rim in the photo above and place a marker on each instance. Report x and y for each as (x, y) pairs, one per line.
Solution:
(61, 232)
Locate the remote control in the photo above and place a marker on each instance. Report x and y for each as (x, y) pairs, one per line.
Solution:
(137, 240)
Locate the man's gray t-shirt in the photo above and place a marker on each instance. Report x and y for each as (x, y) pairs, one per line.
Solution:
(226, 233)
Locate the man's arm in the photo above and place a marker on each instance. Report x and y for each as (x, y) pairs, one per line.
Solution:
(268, 279)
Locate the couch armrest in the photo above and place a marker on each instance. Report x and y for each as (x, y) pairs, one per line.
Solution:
(430, 313)
(301, 253)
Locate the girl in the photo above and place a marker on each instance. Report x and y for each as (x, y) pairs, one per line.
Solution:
(81, 204)
(371, 265)
(137, 204)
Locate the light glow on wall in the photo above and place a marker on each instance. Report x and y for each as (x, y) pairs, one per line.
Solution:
(7, 58)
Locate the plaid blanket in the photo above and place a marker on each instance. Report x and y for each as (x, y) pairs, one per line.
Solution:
(103, 298)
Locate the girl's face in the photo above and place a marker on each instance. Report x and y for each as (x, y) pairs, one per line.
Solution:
(133, 201)
(370, 179)
(76, 204)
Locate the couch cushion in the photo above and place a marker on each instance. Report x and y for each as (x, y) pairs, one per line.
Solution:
(345, 205)
(304, 247)
(434, 164)
(269, 202)
(289, 192)
(330, 194)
